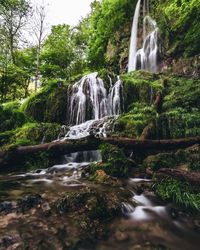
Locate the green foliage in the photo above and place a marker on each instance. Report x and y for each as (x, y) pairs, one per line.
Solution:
(141, 86)
(60, 56)
(179, 25)
(37, 161)
(178, 191)
(11, 117)
(182, 93)
(30, 134)
(132, 123)
(178, 123)
(106, 20)
(35, 133)
(115, 162)
(49, 104)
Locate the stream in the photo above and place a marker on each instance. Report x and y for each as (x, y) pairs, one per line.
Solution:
(145, 221)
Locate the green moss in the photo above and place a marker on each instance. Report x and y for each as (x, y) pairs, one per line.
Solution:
(132, 124)
(179, 192)
(178, 123)
(141, 86)
(115, 162)
(189, 158)
(30, 134)
(11, 117)
(49, 104)
(162, 160)
(35, 133)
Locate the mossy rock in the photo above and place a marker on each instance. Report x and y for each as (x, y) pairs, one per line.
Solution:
(141, 86)
(115, 162)
(48, 105)
(94, 204)
(11, 117)
(133, 123)
(36, 133)
(188, 158)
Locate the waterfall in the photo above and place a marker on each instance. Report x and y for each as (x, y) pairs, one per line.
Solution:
(133, 44)
(146, 57)
(92, 108)
(89, 99)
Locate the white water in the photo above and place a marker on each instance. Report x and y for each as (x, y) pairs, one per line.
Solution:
(90, 101)
(99, 128)
(146, 57)
(133, 44)
(92, 108)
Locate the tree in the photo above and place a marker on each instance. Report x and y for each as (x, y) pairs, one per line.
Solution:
(38, 33)
(13, 15)
(58, 53)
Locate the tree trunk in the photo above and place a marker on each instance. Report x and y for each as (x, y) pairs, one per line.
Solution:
(17, 155)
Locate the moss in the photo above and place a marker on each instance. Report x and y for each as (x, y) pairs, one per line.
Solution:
(189, 158)
(94, 204)
(179, 192)
(141, 86)
(115, 162)
(11, 117)
(49, 104)
(133, 123)
(30, 134)
(178, 123)
(35, 133)
(162, 160)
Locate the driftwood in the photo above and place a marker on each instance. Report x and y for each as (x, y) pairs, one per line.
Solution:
(17, 154)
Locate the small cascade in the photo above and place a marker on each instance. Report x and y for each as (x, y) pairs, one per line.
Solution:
(98, 128)
(146, 57)
(89, 99)
(115, 98)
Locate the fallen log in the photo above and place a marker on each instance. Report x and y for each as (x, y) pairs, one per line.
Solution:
(16, 155)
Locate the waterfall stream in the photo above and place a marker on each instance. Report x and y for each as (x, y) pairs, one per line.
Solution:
(146, 57)
(93, 108)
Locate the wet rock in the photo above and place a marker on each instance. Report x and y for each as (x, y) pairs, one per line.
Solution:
(101, 177)
(46, 209)
(10, 242)
(29, 202)
(121, 236)
(187, 159)
(5, 206)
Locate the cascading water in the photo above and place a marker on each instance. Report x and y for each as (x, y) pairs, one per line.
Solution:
(89, 99)
(146, 57)
(91, 106)
(133, 44)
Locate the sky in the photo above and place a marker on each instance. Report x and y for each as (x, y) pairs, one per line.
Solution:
(65, 11)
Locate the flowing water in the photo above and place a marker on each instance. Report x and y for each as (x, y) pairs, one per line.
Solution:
(144, 58)
(149, 223)
(93, 108)
(145, 221)
(89, 99)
